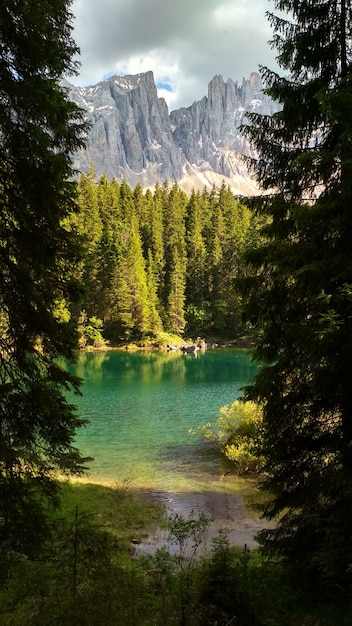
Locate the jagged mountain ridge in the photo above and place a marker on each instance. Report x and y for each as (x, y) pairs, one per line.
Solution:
(133, 135)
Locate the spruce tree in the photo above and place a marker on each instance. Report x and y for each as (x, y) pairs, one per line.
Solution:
(176, 300)
(153, 238)
(39, 130)
(300, 291)
(109, 246)
(89, 225)
(129, 290)
(155, 323)
(175, 259)
(196, 279)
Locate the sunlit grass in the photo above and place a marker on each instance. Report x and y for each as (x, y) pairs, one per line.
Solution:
(115, 508)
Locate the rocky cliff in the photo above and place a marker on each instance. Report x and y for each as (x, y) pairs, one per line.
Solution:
(133, 135)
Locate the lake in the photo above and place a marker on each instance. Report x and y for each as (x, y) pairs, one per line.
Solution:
(141, 407)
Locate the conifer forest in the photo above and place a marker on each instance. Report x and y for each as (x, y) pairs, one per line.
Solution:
(161, 260)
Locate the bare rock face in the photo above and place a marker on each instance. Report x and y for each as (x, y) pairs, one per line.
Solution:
(133, 136)
(209, 129)
(130, 132)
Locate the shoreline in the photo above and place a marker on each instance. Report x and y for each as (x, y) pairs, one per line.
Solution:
(245, 344)
(226, 513)
(225, 510)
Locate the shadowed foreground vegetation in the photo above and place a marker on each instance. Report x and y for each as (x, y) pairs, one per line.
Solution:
(87, 573)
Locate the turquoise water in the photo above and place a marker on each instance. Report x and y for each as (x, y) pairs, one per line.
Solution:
(140, 407)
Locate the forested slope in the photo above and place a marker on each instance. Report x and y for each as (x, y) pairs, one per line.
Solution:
(161, 260)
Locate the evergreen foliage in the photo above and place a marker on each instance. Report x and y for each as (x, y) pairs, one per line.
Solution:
(161, 261)
(299, 291)
(40, 128)
(89, 331)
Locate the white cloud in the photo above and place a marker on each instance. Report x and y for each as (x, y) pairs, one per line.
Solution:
(184, 44)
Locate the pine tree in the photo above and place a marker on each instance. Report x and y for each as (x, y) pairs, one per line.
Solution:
(129, 290)
(154, 246)
(141, 206)
(108, 250)
(237, 223)
(196, 280)
(216, 246)
(89, 224)
(156, 236)
(138, 277)
(155, 323)
(176, 299)
(175, 259)
(40, 129)
(300, 293)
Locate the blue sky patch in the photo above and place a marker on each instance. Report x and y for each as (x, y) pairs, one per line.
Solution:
(108, 75)
(165, 86)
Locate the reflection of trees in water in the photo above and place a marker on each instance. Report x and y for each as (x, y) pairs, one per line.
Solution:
(90, 364)
(152, 367)
(143, 366)
(149, 367)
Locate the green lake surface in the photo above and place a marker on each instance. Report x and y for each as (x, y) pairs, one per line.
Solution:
(141, 407)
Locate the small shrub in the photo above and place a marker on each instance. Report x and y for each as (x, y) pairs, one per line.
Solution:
(237, 432)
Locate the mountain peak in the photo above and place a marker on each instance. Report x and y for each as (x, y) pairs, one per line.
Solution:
(128, 82)
(133, 135)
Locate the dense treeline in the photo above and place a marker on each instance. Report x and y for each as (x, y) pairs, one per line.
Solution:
(300, 292)
(160, 260)
(39, 129)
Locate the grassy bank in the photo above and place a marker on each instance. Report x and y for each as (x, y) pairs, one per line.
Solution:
(114, 509)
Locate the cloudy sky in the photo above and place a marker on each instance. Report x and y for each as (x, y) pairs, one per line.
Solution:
(184, 42)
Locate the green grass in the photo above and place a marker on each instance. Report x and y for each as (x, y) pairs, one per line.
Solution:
(116, 510)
